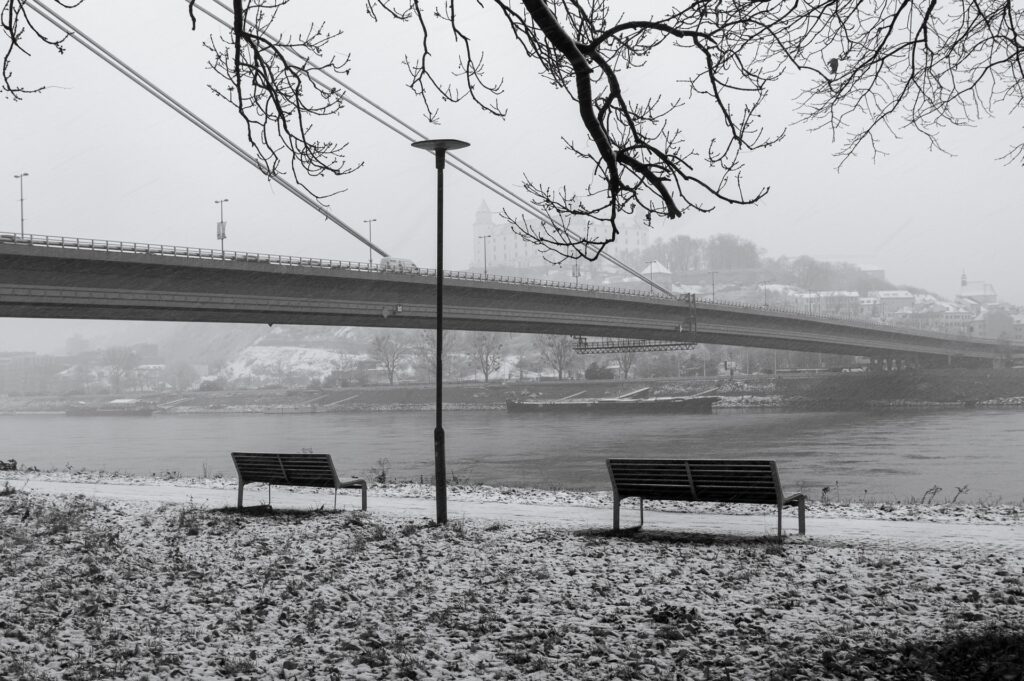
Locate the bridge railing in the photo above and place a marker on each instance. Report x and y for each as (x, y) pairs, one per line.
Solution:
(135, 247)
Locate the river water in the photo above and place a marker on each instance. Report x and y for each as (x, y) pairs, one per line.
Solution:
(877, 456)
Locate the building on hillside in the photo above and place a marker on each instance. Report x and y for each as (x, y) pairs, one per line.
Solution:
(873, 271)
(657, 273)
(839, 303)
(870, 307)
(506, 251)
(634, 235)
(976, 291)
(955, 320)
(891, 302)
(1018, 327)
(831, 303)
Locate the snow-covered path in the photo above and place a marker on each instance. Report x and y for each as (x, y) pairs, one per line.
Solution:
(822, 525)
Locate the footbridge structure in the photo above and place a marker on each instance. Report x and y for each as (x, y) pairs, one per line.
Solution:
(63, 277)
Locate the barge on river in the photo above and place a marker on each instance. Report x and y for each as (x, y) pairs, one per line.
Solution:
(635, 402)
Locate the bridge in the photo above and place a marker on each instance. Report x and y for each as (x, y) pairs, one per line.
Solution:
(64, 277)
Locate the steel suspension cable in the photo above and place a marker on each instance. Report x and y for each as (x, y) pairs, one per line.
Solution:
(413, 135)
(137, 78)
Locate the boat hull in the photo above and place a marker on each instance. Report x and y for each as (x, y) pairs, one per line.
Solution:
(676, 405)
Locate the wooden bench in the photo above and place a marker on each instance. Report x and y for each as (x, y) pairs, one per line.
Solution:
(299, 470)
(722, 480)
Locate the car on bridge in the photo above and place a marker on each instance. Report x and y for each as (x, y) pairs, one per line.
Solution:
(390, 264)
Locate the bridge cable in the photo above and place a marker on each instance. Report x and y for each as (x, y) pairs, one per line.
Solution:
(189, 115)
(414, 135)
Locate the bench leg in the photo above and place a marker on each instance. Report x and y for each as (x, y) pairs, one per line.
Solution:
(641, 512)
(780, 521)
(800, 516)
(615, 513)
(335, 497)
(240, 486)
(363, 487)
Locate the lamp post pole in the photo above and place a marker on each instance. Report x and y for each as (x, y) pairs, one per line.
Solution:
(713, 273)
(764, 287)
(485, 238)
(21, 198)
(439, 147)
(369, 224)
(221, 226)
(650, 273)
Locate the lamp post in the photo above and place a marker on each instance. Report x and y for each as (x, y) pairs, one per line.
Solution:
(221, 226)
(21, 198)
(439, 147)
(369, 223)
(764, 287)
(650, 272)
(485, 238)
(713, 273)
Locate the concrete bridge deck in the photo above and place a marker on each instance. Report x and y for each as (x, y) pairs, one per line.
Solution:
(44, 276)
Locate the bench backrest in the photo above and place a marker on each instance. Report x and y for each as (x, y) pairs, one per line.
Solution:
(735, 481)
(303, 470)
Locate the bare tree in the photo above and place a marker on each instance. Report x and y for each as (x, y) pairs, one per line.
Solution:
(120, 362)
(626, 361)
(181, 376)
(425, 349)
(390, 352)
(557, 352)
(486, 351)
(867, 68)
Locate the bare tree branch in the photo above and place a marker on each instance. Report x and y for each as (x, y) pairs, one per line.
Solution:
(871, 69)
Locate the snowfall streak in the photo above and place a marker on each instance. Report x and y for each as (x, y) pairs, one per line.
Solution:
(72, 278)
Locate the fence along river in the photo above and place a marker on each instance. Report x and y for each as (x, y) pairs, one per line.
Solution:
(858, 455)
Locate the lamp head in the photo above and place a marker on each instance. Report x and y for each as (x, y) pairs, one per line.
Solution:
(442, 145)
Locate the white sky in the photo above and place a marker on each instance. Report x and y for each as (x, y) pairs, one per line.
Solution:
(106, 160)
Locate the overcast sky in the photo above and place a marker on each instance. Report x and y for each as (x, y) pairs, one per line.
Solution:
(106, 160)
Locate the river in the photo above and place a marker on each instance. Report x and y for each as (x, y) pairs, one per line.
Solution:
(873, 456)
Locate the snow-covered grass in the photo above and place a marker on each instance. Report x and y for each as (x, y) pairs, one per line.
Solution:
(93, 589)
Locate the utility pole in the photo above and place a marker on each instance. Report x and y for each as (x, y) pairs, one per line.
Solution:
(369, 222)
(21, 192)
(485, 238)
(576, 271)
(222, 227)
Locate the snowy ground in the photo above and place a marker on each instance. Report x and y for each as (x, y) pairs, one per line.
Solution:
(116, 577)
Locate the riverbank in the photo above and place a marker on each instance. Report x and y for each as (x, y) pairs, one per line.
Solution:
(950, 388)
(108, 577)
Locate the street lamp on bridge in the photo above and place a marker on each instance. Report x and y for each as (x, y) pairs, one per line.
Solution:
(21, 194)
(440, 147)
(222, 227)
(369, 223)
(764, 287)
(485, 238)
